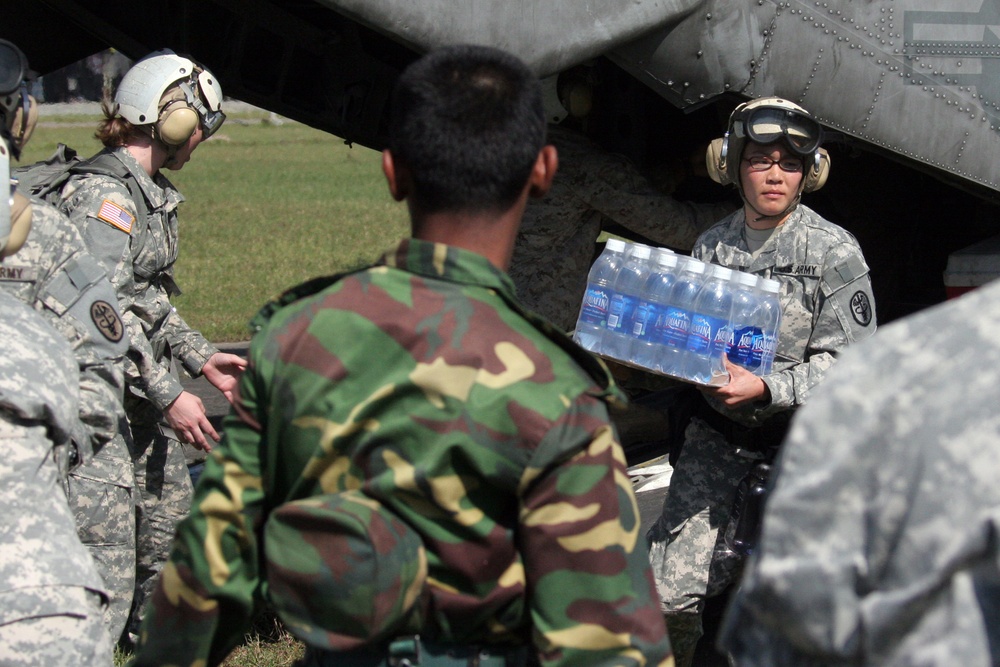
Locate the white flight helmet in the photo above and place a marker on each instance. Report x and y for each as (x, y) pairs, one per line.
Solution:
(555, 112)
(18, 113)
(765, 121)
(145, 97)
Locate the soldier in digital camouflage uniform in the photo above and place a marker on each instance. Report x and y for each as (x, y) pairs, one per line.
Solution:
(772, 152)
(879, 537)
(422, 387)
(555, 247)
(51, 596)
(164, 107)
(53, 273)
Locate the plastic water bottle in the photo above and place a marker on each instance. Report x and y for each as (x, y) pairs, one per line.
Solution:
(674, 324)
(592, 322)
(744, 320)
(646, 349)
(769, 323)
(628, 293)
(709, 326)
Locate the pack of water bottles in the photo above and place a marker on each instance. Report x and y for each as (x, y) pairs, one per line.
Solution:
(676, 315)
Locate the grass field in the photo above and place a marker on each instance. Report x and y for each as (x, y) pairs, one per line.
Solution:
(268, 206)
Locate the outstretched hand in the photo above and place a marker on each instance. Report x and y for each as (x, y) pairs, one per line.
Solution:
(186, 415)
(223, 370)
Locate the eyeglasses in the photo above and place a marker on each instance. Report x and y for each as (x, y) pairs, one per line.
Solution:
(790, 165)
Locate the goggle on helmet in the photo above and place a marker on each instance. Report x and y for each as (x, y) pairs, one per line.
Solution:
(18, 113)
(15, 103)
(140, 92)
(775, 120)
(766, 121)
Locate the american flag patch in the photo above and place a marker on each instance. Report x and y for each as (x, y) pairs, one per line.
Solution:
(116, 216)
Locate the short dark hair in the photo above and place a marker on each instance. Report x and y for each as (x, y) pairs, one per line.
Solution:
(467, 121)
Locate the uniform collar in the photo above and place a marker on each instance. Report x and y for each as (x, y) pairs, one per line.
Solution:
(445, 262)
(732, 250)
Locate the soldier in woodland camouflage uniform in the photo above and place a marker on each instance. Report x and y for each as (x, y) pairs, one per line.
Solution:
(51, 596)
(555, 247)
(53, 273)
(772, 152)
(164, 107)
(463, 431)
(879, 542)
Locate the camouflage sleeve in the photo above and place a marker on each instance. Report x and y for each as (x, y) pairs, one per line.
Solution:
(103, 211)
(620, 192)
(143, 372)
(78, 300)
(844, 314)
(90, 321)
(592, 596)
(38, 379)
(188, 345)
(209, 590)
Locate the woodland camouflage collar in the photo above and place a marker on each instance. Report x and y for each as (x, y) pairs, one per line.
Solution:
(444, 262)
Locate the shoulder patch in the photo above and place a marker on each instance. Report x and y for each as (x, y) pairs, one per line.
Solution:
(116, 216)
(861, 308)
(107, 320)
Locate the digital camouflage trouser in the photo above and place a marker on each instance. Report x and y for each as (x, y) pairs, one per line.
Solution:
(165, 494)
(74, 636)
(686, 545)
(102, 497)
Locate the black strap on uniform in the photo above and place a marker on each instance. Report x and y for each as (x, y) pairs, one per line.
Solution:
(106, 164)
(412, 651)
(764, 439)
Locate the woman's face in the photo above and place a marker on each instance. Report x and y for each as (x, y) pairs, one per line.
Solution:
(184, 151)
(770, 176)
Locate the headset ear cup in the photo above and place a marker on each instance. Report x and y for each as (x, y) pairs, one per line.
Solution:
(177, 123)
(816, 178)
(714, 162)
(20, 224)
(21, 128)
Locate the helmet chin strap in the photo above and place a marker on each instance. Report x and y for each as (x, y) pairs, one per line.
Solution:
(171, 155)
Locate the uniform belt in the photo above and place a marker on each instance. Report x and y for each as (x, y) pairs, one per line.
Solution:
(411, 651)
(763, 439)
